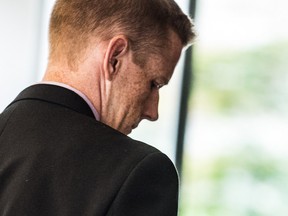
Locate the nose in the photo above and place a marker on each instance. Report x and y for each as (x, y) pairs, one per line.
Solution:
(150, 111)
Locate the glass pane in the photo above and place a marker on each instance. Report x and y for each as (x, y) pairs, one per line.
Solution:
(237, 133)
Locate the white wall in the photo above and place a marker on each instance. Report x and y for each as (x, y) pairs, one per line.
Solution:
(19, 24)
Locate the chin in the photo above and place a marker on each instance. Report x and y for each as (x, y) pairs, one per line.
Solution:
(129, 131)
(126, 131)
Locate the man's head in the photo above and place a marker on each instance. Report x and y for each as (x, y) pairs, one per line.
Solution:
(118, 53)
(145, 23)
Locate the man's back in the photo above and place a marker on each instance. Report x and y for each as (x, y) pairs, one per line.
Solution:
(56, 159)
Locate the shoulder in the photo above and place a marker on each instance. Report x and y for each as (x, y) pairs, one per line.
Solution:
(151, 188)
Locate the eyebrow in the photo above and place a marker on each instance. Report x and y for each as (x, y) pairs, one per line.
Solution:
(163, 81)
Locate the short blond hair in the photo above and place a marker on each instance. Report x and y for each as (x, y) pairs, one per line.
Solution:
(146, 24)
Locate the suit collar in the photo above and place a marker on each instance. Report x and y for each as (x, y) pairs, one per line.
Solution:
(57, 95)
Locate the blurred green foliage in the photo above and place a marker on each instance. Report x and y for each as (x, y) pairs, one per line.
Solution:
(249, 181)
(252, 79)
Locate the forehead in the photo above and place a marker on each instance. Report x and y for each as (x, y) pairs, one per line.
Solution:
(174, 47)
(165, 61)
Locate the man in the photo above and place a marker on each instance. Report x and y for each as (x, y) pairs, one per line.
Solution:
(64, 148)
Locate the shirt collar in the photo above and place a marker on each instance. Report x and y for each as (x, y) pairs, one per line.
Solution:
(95, 112)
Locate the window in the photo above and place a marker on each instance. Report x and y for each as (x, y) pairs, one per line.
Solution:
(236, 138)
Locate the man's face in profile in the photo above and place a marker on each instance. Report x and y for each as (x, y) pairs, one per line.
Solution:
(136, 89)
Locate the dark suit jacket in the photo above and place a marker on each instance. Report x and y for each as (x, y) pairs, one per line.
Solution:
(57, 160)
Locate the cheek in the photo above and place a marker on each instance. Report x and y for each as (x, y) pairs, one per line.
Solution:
(139, 91)
(137, 101)
(134, 93)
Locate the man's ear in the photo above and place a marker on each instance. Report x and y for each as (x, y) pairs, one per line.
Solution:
(117, 48)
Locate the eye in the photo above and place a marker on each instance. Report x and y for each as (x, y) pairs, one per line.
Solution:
(156, 85)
